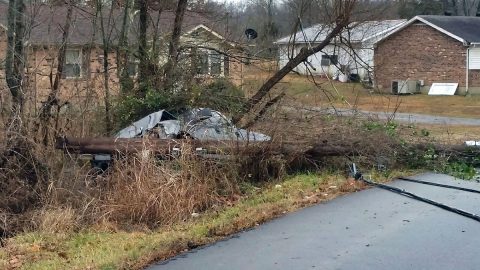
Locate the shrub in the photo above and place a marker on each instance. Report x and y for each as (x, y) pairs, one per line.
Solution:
(221, 95)
(131, 107)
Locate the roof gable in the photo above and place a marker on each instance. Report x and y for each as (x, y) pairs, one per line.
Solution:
(203, 35)
(461, 28)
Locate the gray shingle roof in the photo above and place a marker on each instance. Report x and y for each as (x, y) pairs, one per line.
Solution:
(462, 28)
(356, 32)
(467, 28)
(46, 23)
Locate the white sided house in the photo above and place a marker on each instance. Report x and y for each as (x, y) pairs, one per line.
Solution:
(350, 54)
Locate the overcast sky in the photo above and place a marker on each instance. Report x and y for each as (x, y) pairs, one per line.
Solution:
(231, 1)
(239, 1)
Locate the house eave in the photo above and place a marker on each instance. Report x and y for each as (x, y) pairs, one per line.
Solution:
(418, 18)
(353, 42)
(387, 31)
(211, 31)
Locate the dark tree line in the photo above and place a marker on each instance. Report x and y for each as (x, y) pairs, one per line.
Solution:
(410, 8)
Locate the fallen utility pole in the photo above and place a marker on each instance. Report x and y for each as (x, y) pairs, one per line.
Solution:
(168, 146)
(311, 152)
(135, 145)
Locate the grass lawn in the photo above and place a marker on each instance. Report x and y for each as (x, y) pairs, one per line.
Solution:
(104, 248)
(453, 134)
(301, 89)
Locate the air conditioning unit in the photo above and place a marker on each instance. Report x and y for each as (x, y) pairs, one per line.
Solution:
(401, 87)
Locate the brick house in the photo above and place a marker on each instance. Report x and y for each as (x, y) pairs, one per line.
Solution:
(431, 49)
(83, 68)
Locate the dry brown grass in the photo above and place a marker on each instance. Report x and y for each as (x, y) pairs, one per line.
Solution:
(143, 190)
(50, 220)
(63, 195)
(301, 90)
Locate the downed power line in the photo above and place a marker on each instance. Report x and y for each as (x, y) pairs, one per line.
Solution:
(358, 176)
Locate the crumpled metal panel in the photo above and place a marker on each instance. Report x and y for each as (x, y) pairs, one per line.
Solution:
(199, 123)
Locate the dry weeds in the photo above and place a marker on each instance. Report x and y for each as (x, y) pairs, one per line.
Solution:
(143, 190)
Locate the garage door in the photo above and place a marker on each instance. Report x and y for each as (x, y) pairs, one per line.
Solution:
(474, 58)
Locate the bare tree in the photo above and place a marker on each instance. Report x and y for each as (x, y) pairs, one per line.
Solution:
(106, 32)
(171, 64)
(15, 58)
(121, 49)
(52, 99)
(410, 8)
(142, 46)
(341, 15)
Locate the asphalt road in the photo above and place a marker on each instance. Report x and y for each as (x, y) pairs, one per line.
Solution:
(415, 118)
(372, 229)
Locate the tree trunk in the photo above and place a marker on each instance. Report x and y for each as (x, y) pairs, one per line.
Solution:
(52, 99)
(106, 72)
(15, 59)
(122, 57)
(142, 47)
(174, 43)
(155, 48)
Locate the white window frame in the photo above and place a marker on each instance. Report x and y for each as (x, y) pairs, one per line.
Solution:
(474, 59)
(80, 63)
(211, 54)
(133, 61)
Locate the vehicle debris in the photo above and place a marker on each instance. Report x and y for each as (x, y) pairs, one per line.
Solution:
(207, 132)
(198, 123)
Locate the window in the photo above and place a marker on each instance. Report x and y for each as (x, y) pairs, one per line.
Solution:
(73, 63)
(226, 65)
(210, 63)
(328, 60)
(132, 67)
(202, 63)
(474, 58)
(333, 59)
(215, 64)
(325, 60)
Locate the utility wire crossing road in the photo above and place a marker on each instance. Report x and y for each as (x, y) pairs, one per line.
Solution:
(374, 229)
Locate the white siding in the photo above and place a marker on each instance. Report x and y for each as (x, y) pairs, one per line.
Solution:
(474, 58)
(359, 61)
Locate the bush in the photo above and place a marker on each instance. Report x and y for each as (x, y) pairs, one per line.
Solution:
(131, 108)
(220, 95)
